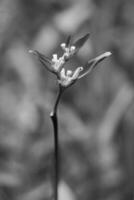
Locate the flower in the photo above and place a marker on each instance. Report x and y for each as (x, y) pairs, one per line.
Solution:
(69, 51)
(56, 65)
(68, 77)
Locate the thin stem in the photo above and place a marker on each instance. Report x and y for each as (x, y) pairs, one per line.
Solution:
(54, 119)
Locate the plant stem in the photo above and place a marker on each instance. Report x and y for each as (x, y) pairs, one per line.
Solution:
(54, 119)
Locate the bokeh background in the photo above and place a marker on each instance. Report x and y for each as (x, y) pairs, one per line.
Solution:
(96, 115)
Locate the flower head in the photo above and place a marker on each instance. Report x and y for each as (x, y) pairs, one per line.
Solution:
(56, 65)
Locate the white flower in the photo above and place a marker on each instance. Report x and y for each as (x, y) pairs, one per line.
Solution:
(69, 77)
(68, 50)
(57, 63)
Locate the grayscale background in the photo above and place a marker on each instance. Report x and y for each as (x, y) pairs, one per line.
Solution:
(96, 115)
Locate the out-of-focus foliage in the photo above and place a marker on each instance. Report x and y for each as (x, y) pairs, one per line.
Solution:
(95, 115)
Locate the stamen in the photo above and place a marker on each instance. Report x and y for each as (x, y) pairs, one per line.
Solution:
(72, 48)
(62, 73)
(55, 57)
(63, 45)
(69, 72)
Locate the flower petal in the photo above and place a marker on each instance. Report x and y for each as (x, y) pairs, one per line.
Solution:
(76, 73)
(91, 64)
(68, 41)
(43, 59)
(80, 42)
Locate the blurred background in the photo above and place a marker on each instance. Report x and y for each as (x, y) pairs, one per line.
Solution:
(96, 114)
